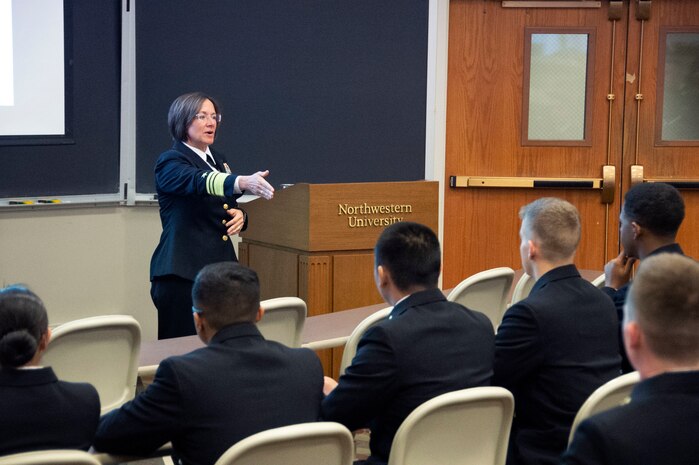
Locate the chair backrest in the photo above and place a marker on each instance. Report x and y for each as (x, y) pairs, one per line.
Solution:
(100, 350)
(486, 292)
(164, 451)
(283, 320)
(611, 394)
(50, 457)
(599, 281)
(326, 443)
(522, 288)
(466, 427)
(351, 345)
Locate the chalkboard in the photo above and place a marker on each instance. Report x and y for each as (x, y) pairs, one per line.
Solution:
(90, 165)
(313, 90)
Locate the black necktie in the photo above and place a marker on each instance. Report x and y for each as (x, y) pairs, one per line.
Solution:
(210, 161)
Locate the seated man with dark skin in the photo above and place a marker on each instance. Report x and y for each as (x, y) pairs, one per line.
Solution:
(660, 426)
(426, 347)
(650, 218)
(554, 348)
(238, 385)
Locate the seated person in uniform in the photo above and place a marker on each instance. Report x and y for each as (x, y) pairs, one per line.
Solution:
(660, 425)
(238, 385)
(650, 218)
(426, 347)
(37, 411)
(554, 348)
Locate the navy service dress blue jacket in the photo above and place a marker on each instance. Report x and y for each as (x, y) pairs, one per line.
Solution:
(39, 412)
(660, 426)
(209, 399)
(552, 350)
(618, 296)
(427, 347)
(193, 201)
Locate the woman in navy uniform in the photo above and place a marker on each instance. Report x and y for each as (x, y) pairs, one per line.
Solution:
(198, 210)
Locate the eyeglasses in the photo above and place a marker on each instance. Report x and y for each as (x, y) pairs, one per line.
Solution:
(197, 310)
(203, 117)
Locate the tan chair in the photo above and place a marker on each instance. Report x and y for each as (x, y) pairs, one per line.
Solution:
(164, 451)
(522, 288)
(50, 457)
(466, 427)
(351, 345)
(325, 443)
(100, 350)
(611, 394)
(598, 281)
(283, 320)
(486, 292)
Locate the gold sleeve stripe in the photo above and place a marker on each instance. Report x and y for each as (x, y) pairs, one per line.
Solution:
(214, 183)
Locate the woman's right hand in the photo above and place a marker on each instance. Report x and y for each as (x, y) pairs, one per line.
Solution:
(256, 184)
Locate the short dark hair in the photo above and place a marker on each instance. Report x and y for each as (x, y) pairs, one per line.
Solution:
(182, 112)
(664, 301)
(410, 252)
(23, 321)
(227, 293)
(656, 206)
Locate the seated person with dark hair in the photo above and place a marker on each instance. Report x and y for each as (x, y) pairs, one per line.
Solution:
(37, 411)
(209, 399)
(426, 347)
(554, 348)
(650, 218)
(660, 426)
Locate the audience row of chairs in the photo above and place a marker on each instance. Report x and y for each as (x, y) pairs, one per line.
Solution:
(488, 290)
(78, 350)
(467, 427)
(90, 341)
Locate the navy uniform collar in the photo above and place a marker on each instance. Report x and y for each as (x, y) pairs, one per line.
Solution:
(179, 146)
(14, 377)
(670, 248)
(556, 274)
(418, 298)
(235, 331)
(676, 383)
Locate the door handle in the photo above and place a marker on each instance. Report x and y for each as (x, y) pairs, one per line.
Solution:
(605, 184)
(637, 177)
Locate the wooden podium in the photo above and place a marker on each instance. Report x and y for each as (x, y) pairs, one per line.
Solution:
(316, 241)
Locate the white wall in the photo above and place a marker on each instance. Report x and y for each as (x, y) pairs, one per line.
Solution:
(83, 261)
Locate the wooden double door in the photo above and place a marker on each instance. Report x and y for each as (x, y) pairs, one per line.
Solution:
(574, 99)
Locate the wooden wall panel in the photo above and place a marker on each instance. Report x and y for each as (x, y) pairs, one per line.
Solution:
(277, 270)
(353, 286)
(353, 283)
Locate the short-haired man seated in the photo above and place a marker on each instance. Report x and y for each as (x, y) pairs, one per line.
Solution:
(554, 348)
(650, 218)
(660, 426)
(238, 385)
(427, 347)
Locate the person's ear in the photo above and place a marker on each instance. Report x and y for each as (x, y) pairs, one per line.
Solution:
(533, 249)
(637, 230)
(383, 276)
(260, 314)
(44, 340)
(198, 323)
(633, 338)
